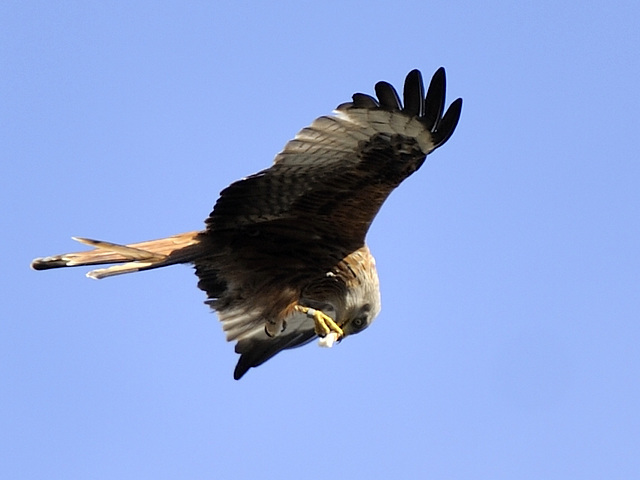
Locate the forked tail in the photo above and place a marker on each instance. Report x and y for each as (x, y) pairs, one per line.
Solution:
(181, 248)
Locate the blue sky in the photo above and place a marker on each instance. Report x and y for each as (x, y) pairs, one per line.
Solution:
(507, 346)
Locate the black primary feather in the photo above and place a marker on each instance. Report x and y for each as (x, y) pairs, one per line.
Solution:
(413, 94)
(388, 97)
(254, 352)
(448, 124)
(362, 100)
(434, 103)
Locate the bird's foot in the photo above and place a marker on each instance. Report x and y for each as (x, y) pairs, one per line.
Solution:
(325, 327)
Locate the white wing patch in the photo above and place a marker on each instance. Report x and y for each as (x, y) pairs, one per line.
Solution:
(239, 324)
(335, 139)
(384, 121)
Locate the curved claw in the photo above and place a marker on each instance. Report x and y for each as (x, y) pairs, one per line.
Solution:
(324, 325)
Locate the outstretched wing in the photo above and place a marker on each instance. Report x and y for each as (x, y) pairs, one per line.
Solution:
(277, 230)
(330, 181)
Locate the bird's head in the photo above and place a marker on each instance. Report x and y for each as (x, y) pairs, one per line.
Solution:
(358, 319)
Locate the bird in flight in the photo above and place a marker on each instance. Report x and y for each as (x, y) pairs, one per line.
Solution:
(283, 258)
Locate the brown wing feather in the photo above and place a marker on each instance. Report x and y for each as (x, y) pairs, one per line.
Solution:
(330, 181)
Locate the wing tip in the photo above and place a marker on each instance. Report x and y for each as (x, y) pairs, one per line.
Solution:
(240, 370)
(388, 97)
(427, 108)
(448, 123)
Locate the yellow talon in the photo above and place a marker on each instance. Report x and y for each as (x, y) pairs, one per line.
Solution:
(323, 323)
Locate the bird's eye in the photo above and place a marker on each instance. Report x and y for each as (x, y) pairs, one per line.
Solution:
(358, 323)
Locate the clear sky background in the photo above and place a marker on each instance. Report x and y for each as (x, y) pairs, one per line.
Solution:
(508, 346)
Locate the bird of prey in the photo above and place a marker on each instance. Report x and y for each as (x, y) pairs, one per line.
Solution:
(283, 258)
